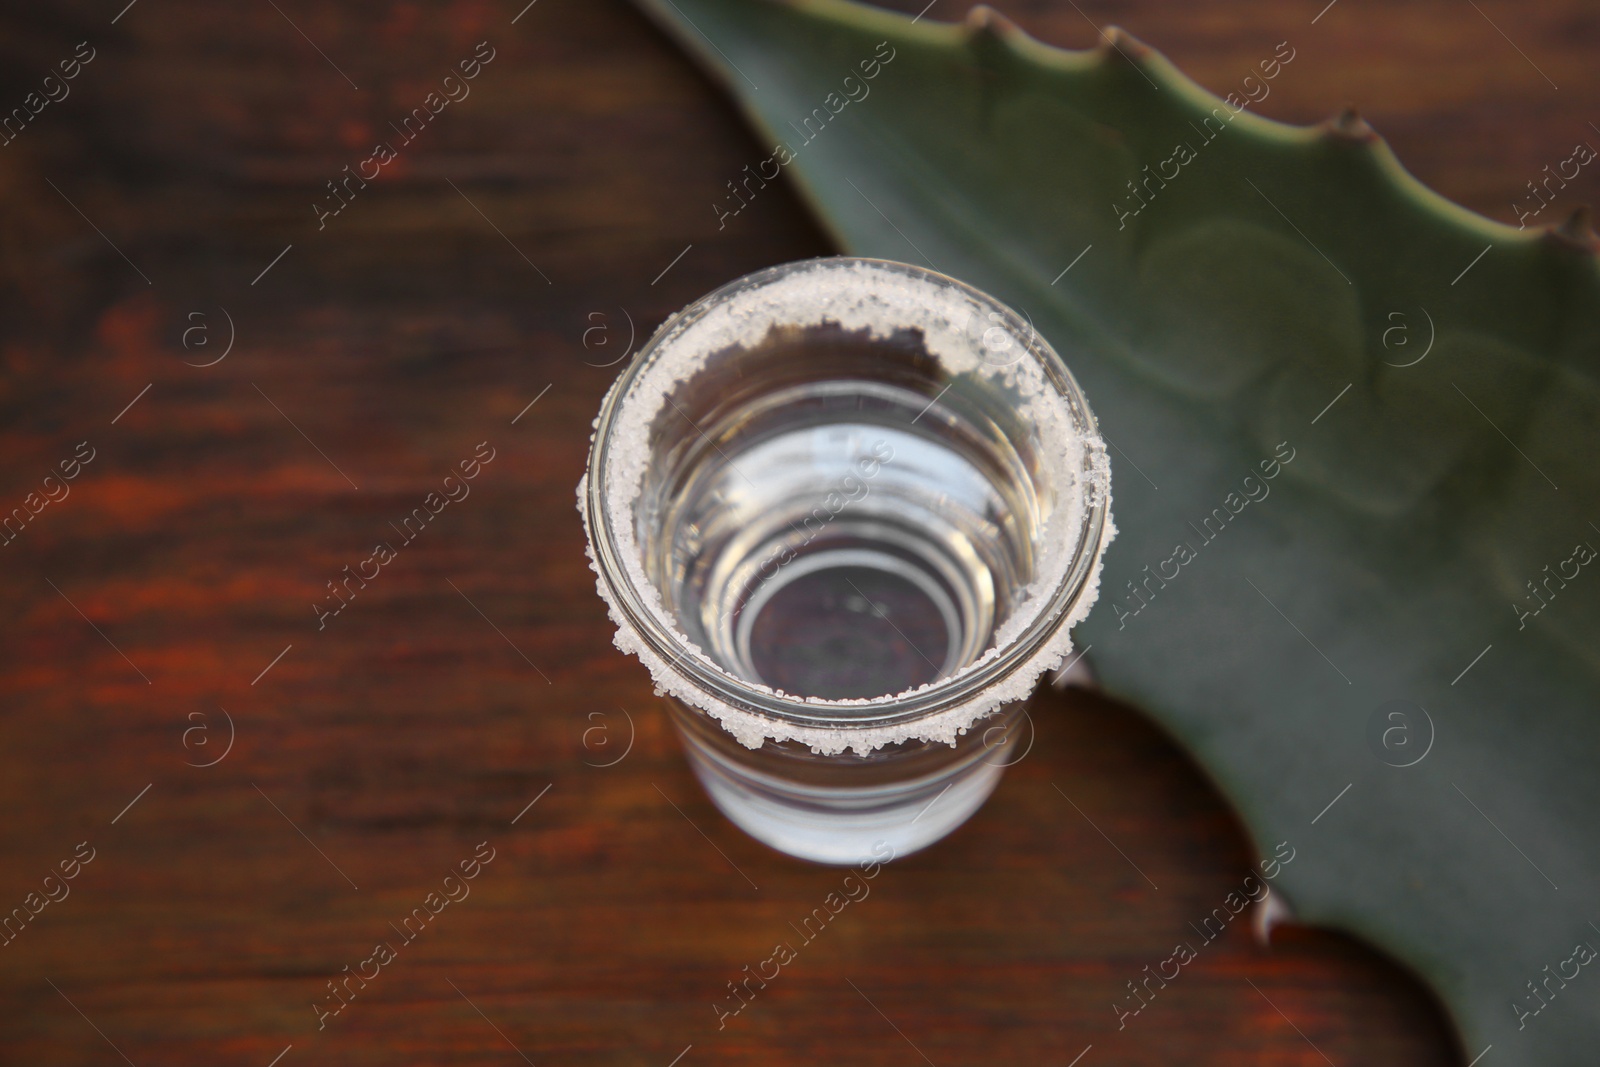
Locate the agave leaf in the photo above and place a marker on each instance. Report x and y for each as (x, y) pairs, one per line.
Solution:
(1280, 290)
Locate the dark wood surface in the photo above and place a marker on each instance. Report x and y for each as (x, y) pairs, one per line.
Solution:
(476, 671)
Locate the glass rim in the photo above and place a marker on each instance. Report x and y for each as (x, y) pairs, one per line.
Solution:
(966, 684)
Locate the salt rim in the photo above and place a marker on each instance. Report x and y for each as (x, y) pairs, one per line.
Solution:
(877, 297)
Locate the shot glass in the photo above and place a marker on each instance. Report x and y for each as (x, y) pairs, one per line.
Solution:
(846, 511)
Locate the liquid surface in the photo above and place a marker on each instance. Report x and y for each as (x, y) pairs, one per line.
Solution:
(843, 538)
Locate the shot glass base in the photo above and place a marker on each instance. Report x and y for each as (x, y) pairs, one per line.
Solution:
(815, 815)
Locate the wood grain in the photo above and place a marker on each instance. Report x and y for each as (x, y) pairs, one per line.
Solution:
(498, 260)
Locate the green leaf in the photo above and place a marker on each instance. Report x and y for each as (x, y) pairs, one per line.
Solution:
(1275, 293)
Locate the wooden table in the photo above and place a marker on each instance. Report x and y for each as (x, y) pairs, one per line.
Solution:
(482, 289)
